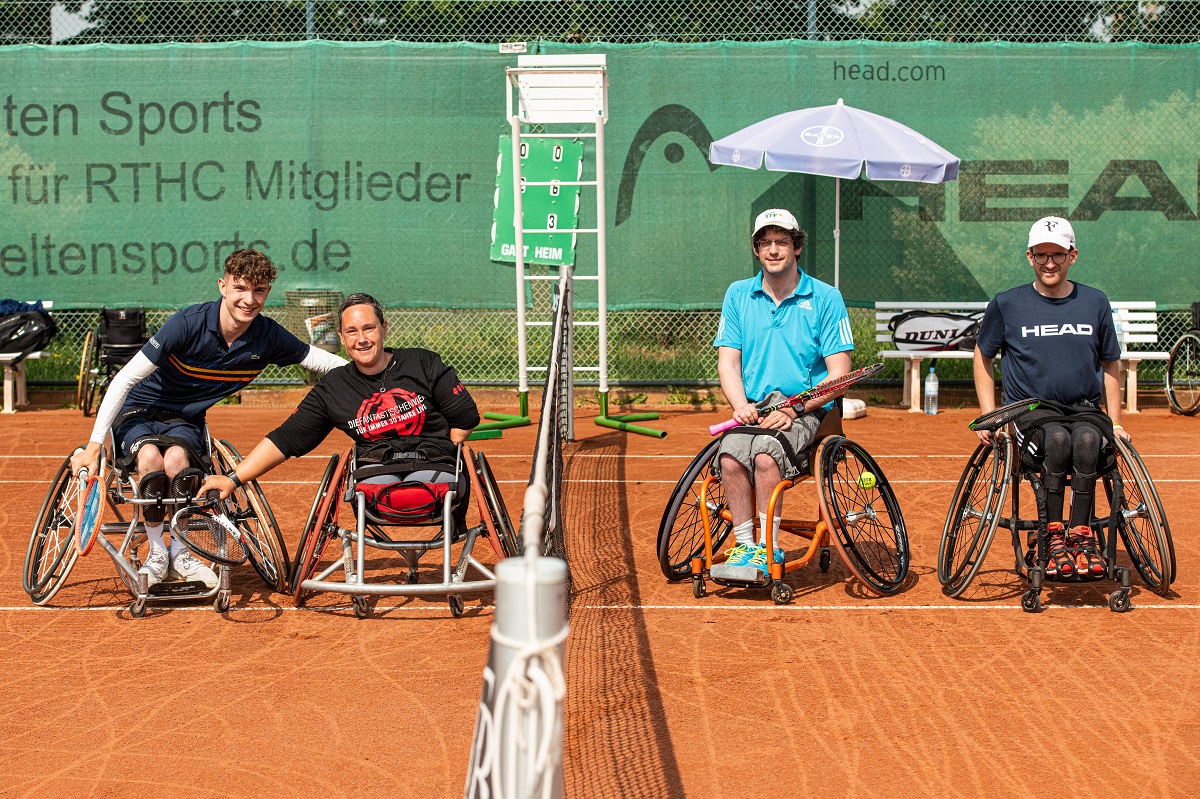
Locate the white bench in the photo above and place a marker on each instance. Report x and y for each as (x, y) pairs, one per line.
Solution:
(1136, 323)
(14, 374)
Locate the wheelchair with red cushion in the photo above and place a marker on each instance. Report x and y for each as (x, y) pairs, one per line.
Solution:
(860, 515)
(52, 551)
(994, 474)
(402, 503)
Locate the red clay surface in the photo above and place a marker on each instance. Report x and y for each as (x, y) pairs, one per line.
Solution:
(838, 694)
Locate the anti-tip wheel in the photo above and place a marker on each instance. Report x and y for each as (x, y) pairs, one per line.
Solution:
(699, 589)
(781, 594)
(412, 577)
(456, 605)
(824, 560)
(221, 603)
(1118, 601)
(138, 608)
(1031, 602)
(361, 608)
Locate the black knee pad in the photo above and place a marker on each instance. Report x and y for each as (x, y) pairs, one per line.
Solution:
(153, 486)
(186, 483)
(1054, 482)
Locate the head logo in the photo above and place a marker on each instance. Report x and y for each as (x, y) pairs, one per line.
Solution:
(822, 136)
(668, 119)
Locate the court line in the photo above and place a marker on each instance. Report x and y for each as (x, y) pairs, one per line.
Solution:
(626, 481)
(629, 456)
(766, 607)
(489, 609)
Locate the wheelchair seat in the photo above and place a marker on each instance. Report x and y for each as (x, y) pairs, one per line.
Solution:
(404, 494)
(119, 335)
(865, 524)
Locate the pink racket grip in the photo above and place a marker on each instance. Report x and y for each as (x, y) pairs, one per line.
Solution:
(718, 429)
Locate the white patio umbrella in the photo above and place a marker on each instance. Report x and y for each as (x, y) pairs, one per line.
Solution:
(837, 141)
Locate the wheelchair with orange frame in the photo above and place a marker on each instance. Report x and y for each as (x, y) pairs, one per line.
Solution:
(401, 491)
(994, 474)
(121, 501)
(857, 512)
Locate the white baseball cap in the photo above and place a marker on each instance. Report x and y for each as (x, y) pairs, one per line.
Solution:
(1052, 230)
(779, 217)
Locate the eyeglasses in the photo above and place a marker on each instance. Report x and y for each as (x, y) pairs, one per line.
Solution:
(766, 244)
(1041, 258)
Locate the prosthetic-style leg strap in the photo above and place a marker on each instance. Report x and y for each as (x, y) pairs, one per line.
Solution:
(186, 483)
(1055, 482)
(153, 486)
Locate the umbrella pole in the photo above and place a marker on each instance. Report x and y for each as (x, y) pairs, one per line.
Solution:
(837, 232)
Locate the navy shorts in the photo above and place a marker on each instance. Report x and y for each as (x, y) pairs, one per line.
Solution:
(131, 431)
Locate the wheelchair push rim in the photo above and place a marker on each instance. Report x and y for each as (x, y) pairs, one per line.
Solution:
(866, 523)
(52, 552)
(1140, 522)
(681, 530)
(1183, 374)
(979, 498)
(500, 523)
(321, 525)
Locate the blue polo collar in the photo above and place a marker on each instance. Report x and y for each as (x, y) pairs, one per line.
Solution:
(803, 288)
(213, 317)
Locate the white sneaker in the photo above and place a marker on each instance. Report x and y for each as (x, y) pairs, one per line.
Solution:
(155, 566)
(186, 567)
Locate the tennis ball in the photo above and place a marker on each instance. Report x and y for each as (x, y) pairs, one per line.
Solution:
(866, 480)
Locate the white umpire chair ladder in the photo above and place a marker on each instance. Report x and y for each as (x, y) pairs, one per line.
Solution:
(562, 91)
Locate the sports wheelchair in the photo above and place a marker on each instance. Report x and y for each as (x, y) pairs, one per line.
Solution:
(53, 552)
(994, 473)
(107, 348)
(342, 483)
(862, 518)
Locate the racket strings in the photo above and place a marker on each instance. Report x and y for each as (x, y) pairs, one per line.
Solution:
(204, 534)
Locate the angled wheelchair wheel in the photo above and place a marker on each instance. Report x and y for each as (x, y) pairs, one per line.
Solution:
(493, 500)
(52, 552)
(866, 523)
(1183, 374)
(265, 548)
(321, 525)
(1140, 521)
(89, 372)
(681, 531)
(974, 514)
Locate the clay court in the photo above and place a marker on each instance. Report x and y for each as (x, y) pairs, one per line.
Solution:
(837, 694)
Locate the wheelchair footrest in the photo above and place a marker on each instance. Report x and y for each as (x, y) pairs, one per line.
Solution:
(178, 588)
(765, 582)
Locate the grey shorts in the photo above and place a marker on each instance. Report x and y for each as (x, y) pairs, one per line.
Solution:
(743, 447)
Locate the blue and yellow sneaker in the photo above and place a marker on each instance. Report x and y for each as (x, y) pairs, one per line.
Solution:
(739, 565)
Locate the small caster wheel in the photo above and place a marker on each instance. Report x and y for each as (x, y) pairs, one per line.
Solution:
(824, 560)
(138, 608)
(221, 603)
(456, 606)
(412, 577)
(699, 589)
(1031, 602)
(781, 594)
(1118, 602)
(361, 608)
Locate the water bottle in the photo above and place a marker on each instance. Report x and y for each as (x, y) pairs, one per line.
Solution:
(931, 389)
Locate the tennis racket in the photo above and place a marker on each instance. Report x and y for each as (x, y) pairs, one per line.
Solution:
(207, 531)
(90, 513)
(994, 420)
(831, 389)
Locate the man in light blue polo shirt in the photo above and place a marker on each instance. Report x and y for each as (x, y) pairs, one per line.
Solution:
(781, 332)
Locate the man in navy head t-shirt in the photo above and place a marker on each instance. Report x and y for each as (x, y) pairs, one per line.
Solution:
(1060, 346)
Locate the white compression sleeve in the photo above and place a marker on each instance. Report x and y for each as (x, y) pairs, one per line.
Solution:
(318, 360)
(134, 372)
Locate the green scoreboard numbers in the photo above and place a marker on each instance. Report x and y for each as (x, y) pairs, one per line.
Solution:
(550, 207)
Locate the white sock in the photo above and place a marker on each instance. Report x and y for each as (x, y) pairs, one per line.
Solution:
(154, 535)
(762, 525)
(744, 533)
(177, 546)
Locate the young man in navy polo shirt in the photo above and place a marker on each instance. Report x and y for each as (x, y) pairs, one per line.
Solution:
(199, 356)
(781, 332)
(1060, 346)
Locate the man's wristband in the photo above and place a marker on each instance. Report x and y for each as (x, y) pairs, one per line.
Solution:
(1118, 427)
(232, 475)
